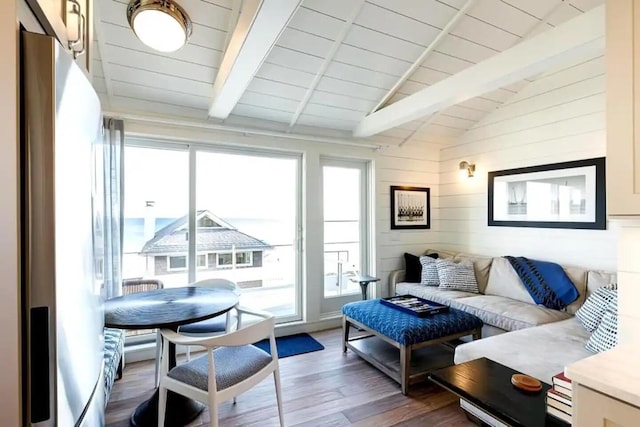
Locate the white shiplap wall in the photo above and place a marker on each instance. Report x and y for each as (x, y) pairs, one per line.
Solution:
(559, 117)
(414, 164)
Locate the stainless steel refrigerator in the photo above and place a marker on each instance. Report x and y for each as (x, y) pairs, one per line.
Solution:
(62, 307)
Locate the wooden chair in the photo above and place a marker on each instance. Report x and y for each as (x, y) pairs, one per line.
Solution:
(231, 366)
(132, 286)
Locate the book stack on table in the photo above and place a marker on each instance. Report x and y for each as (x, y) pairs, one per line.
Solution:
(559, 398)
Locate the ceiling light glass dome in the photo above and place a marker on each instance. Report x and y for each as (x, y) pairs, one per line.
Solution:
(160, 24)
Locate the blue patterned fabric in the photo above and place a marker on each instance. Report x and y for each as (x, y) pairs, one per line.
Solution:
(113, 349)
(407, 329)
(546, 282)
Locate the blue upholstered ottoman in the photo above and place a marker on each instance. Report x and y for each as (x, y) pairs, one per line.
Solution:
(404, 332)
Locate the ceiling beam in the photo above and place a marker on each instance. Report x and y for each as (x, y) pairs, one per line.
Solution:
(259, 27)
(346, 26)
(572, 39)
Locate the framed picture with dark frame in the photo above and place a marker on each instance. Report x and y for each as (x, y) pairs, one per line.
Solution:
(410, 208)
(558, 195)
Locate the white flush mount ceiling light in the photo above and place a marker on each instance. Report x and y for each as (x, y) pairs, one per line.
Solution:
(160, 24)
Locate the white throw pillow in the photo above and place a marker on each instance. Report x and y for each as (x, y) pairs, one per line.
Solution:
(459, 276)
(605, 337)
(429, 275)
(593, 309)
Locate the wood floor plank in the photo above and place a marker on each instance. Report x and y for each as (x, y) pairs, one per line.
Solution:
(326, 388)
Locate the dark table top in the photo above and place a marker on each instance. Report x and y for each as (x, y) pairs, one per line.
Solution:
(167, 308)
(487, 384)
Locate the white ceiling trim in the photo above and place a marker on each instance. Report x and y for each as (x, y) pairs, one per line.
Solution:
(258, 28)
(346, 26)
(575, 37)
(416, 64)
(243, 130)
(102, 47)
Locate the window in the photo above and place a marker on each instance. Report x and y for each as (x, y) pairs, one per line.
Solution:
(243, 259)
(177, 262)
(187, 225)
(225, 260)
(253, 197)
(206, 222)
(345, 212)
(201, 261)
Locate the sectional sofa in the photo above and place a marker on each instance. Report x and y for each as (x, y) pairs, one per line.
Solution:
(530, 338)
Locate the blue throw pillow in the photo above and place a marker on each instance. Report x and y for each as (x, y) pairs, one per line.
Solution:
(546, 282)
(558, 281)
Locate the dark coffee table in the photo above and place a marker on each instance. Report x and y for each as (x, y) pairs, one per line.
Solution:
(485, 389)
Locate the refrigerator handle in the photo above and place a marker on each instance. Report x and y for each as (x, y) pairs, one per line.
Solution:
(39, 361)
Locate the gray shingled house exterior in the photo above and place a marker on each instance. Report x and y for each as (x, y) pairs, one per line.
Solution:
(216, 242)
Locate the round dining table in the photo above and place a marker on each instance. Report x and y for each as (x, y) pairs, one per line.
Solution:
(167, 308)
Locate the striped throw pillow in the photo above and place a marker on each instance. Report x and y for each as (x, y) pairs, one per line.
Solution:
(605, 337)
(459, 276)
(591, 312)
(429, 275)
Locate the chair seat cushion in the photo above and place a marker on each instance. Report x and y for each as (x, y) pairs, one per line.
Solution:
(232, 365)
(215, 324)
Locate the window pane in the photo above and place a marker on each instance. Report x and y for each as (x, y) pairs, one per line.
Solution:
(224, 259)
(243, 258)
(176, 262)
(252, 200)
(201, 260)
(153, 200)
(342, 195)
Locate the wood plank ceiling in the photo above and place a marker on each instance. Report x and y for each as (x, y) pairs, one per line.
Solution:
(335, 62)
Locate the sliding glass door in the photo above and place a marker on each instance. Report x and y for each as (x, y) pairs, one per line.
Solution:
(243, 207)
(246, 226)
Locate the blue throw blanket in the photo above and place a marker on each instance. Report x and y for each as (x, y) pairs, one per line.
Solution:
(545, 281)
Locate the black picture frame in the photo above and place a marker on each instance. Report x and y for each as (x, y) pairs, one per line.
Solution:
(535, 196)
(410, 207)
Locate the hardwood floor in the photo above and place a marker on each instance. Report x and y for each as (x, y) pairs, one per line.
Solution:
(323, 388)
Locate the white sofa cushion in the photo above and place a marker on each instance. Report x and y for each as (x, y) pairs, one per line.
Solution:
(540, 352)
(504, 281)
(598, 279)
(507, 313)
(442, 296)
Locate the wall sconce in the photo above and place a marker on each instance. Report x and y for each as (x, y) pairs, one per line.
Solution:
(466, 169)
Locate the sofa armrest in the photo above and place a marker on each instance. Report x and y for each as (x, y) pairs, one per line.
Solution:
(395, 277)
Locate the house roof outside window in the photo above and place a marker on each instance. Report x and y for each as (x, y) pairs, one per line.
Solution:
(213, 235)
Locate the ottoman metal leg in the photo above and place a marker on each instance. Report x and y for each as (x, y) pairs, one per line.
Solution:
(345, 333)
(405, 367)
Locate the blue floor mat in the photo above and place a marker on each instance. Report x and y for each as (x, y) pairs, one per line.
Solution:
(292, 345)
